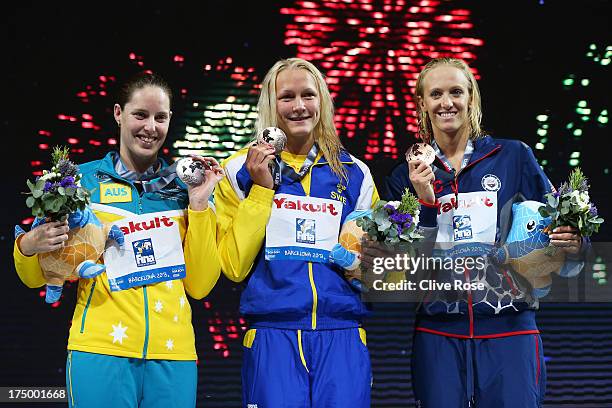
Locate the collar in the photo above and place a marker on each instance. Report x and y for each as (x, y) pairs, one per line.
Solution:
(122, 171)
(345, 158)
(157, 177)
(467, 155)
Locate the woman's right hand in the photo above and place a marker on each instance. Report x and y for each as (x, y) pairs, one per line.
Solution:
(257, 164)
(44, 238)
(422, 177)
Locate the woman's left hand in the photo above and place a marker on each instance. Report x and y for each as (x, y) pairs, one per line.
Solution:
(213, 173)
(566, 238)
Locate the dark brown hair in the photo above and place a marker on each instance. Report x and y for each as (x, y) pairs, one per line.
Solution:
(139, 81)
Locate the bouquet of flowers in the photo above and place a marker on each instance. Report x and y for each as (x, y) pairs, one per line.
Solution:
(58, 196)
(58, 192)
(395, 222)
(391, 223)
(570, 206)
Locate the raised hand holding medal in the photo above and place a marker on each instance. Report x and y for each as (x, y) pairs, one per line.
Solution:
(276, 138)
(420, 156)
(201, 174)
(190, 171)
(422, 152)
(273, 136)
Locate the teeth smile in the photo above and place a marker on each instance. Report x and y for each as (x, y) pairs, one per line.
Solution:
(147, 139)
(447, 114)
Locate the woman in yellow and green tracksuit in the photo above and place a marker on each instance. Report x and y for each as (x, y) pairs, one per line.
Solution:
(305, 347)
(135, 347)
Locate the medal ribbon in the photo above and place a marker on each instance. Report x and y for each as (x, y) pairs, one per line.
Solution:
(162, 177)
(287, 171)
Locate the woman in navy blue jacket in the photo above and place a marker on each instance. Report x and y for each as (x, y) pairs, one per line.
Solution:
(477, 347)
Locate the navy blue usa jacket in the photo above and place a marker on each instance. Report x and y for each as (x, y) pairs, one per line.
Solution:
(472, 214)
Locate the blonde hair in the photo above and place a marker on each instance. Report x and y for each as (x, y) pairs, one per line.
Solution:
(325, 134)
(474, 107)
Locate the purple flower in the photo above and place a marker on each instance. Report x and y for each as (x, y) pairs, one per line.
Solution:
(402, 221)
(593, 210)
(67, 181)
(399, 229)
(390, 208)
(400, 218)
(556, 194)
(48, 186)
(408, 222)
(564, 189)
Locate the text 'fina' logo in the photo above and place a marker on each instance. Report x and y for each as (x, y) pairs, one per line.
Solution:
(305, 231)
(143, 252)
(462, 227)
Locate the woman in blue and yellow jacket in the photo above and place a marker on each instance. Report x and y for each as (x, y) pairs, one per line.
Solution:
(305, 346)
(135, 347)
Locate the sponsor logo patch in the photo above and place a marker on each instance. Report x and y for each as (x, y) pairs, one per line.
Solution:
(462, 227)
(115, 193)
(490, 182)
(299, 205)
(305, 231)
(143, 252)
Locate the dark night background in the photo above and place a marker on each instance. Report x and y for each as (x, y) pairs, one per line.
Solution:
(50, 50)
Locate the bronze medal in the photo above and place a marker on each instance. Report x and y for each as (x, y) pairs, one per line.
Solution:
(422, 152)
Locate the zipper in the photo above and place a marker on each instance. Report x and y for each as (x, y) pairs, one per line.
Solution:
(455, 188)
(91, 291)
(466, 274)
(313, 287)
(144, 288)
(146, 315)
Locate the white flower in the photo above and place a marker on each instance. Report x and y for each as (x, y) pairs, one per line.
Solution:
(582, 199)
(394, 204)
(47, 176)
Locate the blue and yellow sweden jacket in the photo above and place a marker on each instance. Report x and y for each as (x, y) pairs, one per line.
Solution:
(499, 173)
(288, 294)
(151, 321)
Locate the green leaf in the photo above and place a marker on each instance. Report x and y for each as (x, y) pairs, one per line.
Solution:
(61, 190)
(37, 193)
(384, 225)
(40, 184)
(30, 201)
(70, 191)
(552, 200)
